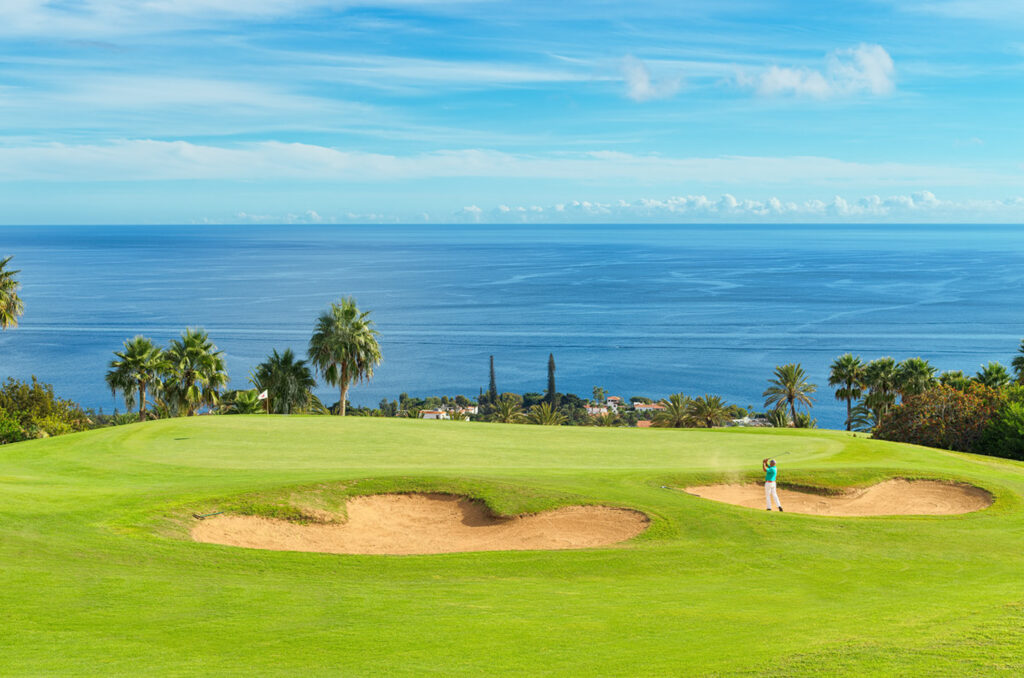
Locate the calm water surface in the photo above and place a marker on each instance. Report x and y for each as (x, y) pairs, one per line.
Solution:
(640, 310)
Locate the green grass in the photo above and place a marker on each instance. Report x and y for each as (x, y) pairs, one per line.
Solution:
(97, 576)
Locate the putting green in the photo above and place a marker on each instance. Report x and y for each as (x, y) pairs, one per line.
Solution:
(99, 576)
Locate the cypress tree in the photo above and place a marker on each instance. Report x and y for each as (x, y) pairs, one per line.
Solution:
(492, 390)
(552, 395)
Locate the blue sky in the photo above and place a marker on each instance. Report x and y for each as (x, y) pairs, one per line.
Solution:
(181, 111)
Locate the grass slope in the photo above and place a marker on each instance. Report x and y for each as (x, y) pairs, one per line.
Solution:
(97, 577)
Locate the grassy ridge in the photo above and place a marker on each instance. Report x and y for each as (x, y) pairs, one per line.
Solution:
(96, 577)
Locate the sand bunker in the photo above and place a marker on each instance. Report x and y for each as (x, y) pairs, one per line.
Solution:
(890, 498)
(405, 524)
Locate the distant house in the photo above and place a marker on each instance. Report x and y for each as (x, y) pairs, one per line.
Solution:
(614, 402)
(597, 410)
(434, 414)
(472, 409)
(644, 423)
(648, 407)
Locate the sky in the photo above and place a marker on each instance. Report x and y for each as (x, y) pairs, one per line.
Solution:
(438, 111)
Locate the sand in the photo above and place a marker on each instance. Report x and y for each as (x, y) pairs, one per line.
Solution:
(889, 498)
(406, 524)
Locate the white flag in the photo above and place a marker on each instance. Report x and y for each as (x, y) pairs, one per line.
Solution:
(262, 396)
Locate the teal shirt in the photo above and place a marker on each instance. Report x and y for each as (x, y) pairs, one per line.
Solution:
(770, 473)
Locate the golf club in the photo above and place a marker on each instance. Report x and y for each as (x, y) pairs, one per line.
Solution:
(198, 516)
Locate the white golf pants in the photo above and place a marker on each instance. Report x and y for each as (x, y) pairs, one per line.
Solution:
(769, 493)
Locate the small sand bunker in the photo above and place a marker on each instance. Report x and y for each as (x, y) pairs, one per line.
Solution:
(406, 524)
(889, 498)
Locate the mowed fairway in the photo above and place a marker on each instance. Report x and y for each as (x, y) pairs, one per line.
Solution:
(99, 577)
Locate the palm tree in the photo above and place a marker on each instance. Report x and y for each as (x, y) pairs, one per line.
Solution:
(344, 347)
(507, 411)
(779, 417)
(675, 414)
(708, 411)
(1018, 363)
(11, 306)
(863, 418)
(993, 374)
(610, 419)
(790, 386)
(136, 370)
(955, 379)
(545, 415)
(847, 372)
(881, 377)
(244, 402)
(196, 371)
(287, 381)
(914, 376)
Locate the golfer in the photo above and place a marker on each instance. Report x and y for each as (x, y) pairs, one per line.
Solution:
(770, 472)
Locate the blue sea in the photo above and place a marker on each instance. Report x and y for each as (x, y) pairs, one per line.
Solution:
(639, 310)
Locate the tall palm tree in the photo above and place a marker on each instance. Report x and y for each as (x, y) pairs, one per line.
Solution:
(196, 371)
(507, 411)
(545, 415)
(1018, 363)
(676, 413)
(882, 379)
(11, 306)
(135, 371)
(914, 376)
(344, 347)
(288, 382)
(847, 372)
(993, 374)
(789, 386)
(708, 411)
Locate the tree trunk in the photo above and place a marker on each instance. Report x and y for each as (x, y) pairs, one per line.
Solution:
(792, 407)
(142, 401)
(344, 397)
(849, 407)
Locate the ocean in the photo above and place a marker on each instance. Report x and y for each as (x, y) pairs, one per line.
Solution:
(636, 309)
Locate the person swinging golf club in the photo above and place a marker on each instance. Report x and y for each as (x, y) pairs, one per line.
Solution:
(770, 490)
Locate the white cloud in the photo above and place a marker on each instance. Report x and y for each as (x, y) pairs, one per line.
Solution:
(863, 69)
(922, 206)
(639, 84)
(918, 207)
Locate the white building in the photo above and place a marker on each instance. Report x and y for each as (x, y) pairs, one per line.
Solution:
(434, 414)
(597, 410)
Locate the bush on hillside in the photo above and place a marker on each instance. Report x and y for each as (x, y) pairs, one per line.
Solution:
(38, 412)
(943, 417)
(10, 430)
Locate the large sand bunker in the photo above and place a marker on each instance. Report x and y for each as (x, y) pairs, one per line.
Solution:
(405, 524)
(889, 498)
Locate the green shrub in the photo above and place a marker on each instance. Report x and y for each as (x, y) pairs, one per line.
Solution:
(1004, 436)
(10, 429)
(38, 411)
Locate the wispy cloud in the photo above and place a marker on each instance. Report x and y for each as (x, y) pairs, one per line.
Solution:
(152, 160)
(77, 18)
(865, 69)
(641, 87)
